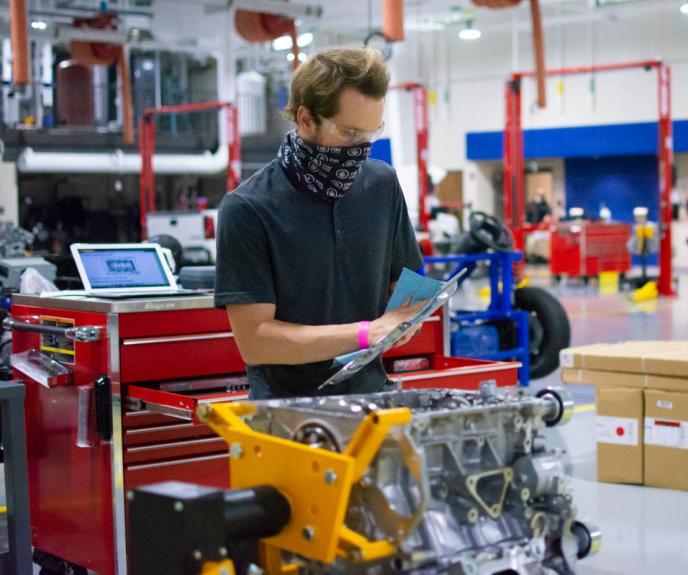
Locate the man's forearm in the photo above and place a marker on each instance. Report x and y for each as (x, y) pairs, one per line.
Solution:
(278, 342)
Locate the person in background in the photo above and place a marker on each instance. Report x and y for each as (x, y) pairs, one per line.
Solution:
(310, 247)
(538, 208)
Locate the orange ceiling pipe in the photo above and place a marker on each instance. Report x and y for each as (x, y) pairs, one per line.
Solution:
(539, 49)
(393, 20)
(101, 54)
(19, 31)
(538, 41)
(261, 27)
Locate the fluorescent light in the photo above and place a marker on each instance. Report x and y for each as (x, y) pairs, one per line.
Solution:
(284, 42)
(684, 8)
(290, 56)
(39, 25)
(470, 33)
(304, 40)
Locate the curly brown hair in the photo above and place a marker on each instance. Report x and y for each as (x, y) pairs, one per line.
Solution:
(319, 81)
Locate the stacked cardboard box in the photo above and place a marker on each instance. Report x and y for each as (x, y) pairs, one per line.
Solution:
(642, 409)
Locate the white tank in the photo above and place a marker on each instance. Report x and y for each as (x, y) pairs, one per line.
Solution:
(251, 103)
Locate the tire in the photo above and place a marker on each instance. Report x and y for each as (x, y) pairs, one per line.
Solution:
(549, 329)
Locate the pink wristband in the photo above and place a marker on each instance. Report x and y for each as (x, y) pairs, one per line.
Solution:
(363, 332)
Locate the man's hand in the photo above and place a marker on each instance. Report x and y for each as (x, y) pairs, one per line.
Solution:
(384, 325)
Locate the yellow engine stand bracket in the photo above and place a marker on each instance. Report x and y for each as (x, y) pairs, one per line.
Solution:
(316, 482)
(225, 567)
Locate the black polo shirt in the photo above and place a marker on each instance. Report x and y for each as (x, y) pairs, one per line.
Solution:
(319, 263)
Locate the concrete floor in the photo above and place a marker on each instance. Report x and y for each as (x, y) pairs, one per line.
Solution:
(645, 530)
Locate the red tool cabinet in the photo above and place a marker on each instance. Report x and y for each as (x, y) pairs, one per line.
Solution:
(142, 366)
(584, 249)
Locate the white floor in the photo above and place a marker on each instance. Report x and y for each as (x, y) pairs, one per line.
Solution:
(645, 530)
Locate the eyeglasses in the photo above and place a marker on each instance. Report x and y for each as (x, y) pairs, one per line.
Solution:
(350, 135)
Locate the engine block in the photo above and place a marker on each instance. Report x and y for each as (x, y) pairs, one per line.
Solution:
(468, 487)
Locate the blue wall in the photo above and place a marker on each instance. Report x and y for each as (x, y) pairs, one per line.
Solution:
(382, 150)
(622, 183)
(579, 142)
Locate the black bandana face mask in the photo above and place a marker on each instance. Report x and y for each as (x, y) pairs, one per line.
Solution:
(326, 171)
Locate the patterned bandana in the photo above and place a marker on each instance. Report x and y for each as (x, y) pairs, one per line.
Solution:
(325, 171)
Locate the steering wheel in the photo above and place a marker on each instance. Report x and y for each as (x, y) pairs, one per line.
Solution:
(490, 232)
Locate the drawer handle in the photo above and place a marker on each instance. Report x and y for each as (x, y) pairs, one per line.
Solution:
(182, 462)
(143, 448)
(450, 373)
(179, 338)
(83, 333)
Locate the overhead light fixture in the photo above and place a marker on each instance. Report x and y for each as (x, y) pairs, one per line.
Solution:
(39, 25)
(469, 32)
(304, 40)
(302, 56)
(284, 42)
(684, 8)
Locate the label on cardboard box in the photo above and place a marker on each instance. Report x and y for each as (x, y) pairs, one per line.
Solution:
(616, 430)
(566, 358)
(666, 433)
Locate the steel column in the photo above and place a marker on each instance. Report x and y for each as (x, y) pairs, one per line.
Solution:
(147, 150)
(16, 478)
(514, 193)
(420, 99)
(420, 119)
(665, 156)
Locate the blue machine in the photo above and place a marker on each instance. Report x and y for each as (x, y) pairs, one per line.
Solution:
(477, 338)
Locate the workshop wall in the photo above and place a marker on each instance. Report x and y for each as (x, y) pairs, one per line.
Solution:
(468, 80)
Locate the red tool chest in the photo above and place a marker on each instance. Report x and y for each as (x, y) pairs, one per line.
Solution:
(584, 249)
(143, 365)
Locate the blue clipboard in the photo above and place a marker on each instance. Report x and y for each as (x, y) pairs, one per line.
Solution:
(364, 357)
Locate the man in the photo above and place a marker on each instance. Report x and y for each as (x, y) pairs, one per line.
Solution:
(538, 209)
(309, 247)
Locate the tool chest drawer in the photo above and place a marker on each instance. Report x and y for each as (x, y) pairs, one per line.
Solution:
(174, 449)
(430, 339)
(191, 355)
(209, 470)
(459, 373)
(161, 323)
(179, 431)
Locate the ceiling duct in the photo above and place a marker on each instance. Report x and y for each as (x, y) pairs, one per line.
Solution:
(19, 25)
(538, 42)
(393, 20)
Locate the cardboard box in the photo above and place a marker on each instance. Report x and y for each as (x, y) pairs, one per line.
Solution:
(666, 358)
(617, 379)
(574, 357)
(603, 378)
(666, 439)
(619, 435)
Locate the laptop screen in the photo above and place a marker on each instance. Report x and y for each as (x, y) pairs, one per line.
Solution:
(113, 268)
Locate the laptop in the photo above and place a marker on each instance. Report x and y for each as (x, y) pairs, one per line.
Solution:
(126, 270)
(362, 358)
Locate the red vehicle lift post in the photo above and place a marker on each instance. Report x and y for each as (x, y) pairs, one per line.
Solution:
(514, 188)
(147, 150)
(420, 118)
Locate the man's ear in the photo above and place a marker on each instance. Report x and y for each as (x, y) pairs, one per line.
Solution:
(305, 121)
